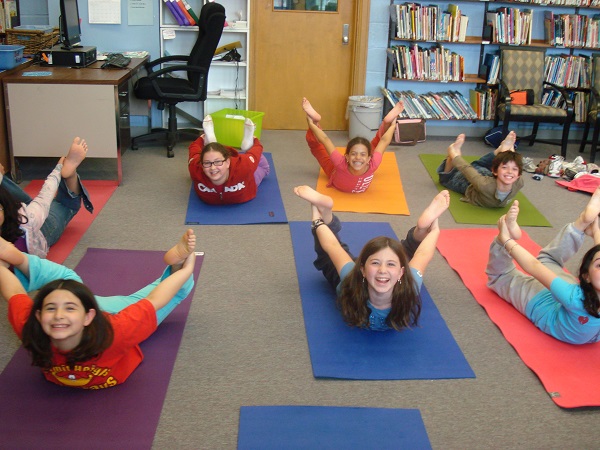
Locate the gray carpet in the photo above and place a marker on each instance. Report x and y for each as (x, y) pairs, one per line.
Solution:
(245, 343)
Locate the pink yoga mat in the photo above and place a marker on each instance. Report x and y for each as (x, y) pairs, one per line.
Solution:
(569, 373)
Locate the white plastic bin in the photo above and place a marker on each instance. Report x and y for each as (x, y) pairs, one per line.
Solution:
(364, 114)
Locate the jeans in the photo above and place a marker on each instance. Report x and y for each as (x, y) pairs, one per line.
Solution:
(63, 208)
(456, 181)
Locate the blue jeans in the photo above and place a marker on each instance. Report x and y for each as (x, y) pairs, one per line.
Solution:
(63, 208)
(456, 181)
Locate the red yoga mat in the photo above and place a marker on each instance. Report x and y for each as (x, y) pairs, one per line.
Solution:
(99, 191)
(568, 372)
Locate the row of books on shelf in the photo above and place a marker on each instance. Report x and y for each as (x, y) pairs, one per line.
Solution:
(575, 3)
(572, 30)
(509, 25)
(429, 23)
(182, 12)
(483, 101)
(579, 99)
(432, 105)
(570, 71)
(426, 63)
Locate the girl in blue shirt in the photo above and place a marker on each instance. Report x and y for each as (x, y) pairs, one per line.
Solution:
(559, 304)
(380, 290)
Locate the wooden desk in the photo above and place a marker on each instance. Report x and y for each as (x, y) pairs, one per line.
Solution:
(45, 113)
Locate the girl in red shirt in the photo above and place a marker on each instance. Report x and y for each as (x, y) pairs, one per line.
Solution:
(354, 171)
(67, 333)
(221, 175)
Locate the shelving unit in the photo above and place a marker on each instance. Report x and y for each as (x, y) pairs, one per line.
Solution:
(476, 44)
(227, 81)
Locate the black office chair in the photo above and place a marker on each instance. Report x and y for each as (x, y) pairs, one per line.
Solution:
(170, 90)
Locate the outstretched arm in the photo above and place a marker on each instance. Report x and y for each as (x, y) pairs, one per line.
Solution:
(386, 139)
(426, 250)
(9, 284)
(167, 288)
(529, 263)
(332, 247)
(321, 137)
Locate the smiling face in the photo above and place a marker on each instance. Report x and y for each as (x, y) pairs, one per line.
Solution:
(506, 174)
(217, 174)
(593, 273)
(382, 270)
(63, 318)
(358, 159)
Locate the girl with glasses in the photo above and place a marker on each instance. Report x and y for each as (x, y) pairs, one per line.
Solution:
(34, 225)
(222, 175)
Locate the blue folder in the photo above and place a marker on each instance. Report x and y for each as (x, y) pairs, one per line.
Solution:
(267, 207)
(327, 427)
(337, 350)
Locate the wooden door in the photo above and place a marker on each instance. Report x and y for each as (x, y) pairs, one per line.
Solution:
(301, 54)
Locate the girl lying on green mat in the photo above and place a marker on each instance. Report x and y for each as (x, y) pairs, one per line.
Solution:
(380, 289)
(557, 303)
(81, 340)
(491, 182)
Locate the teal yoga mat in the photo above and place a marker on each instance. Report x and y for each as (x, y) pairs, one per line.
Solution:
(464, 212)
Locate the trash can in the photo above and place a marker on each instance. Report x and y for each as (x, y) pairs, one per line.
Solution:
(365, 116)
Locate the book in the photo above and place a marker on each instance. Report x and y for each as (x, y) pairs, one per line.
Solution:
(190, 11)
(177, 12)
(189, 19)
(174, 11)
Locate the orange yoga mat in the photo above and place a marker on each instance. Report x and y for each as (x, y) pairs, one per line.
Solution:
(568, 372)
(99, 191)
(385, 195)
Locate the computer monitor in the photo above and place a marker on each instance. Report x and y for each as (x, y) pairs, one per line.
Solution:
(69, 24)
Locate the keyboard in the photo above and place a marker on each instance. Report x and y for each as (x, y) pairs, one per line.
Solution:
(116, 61)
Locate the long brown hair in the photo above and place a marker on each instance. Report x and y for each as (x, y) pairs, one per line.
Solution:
(591, 302)
(406, 300)
(97, 336)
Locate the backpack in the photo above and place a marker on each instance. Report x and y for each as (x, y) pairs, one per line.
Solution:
(494, 137)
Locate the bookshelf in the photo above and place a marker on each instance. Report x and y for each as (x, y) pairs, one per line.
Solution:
(227, 81)
(433, 27)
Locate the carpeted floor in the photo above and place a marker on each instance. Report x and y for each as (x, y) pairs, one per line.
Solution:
(244, 342)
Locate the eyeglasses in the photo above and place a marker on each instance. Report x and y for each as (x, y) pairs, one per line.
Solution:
(218, 163)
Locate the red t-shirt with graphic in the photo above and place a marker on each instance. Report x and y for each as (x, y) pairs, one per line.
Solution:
(131, 326)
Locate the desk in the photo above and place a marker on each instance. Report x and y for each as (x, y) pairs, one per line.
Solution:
(45, 113)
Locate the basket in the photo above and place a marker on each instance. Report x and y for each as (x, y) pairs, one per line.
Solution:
(229, 125)
(33, 40)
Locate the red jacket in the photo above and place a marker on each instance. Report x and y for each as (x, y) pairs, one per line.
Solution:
(240, 187)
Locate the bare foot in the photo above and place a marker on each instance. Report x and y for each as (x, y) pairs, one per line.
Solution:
(180, 251)
(591, 211)
(511, 221)
(2, 169)
(323, 203)
(248, 139)
(310, 111)
(10, 254)
(503, 233)
(454, 150)
(76, 154)
(508, 144)
(438, 205)
(209, 130)
(394, 113)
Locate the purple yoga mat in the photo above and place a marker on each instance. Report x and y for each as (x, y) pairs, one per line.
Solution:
(35, 413)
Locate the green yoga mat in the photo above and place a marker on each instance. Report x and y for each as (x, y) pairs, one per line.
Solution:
(464, 212)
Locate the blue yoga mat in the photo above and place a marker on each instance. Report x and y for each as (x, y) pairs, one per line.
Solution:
(328, 427)
(337, 350)
(267, 207)
(38, 414)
